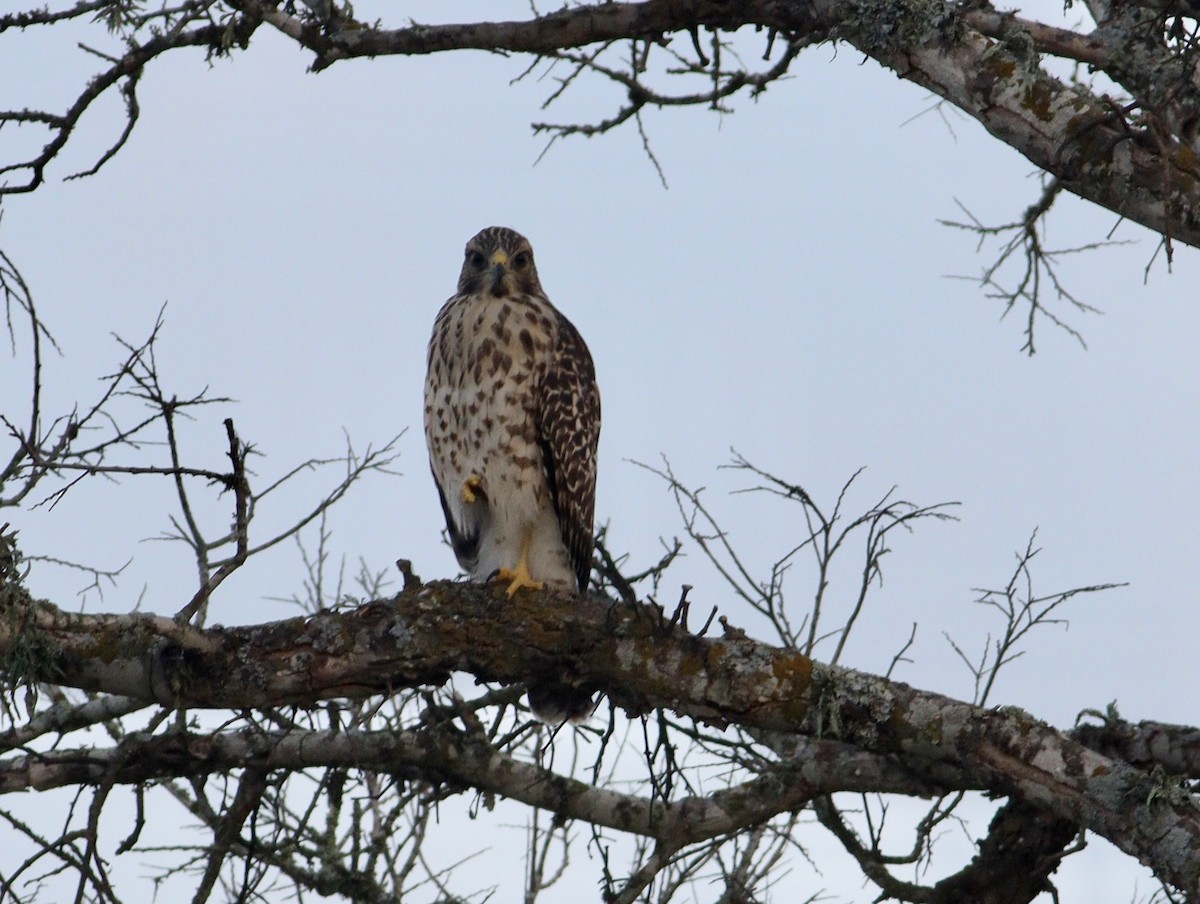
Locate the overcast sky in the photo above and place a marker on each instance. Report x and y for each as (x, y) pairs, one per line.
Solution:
(787, 296)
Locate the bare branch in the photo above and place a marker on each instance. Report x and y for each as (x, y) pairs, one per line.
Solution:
(1135, 156)
(1037, 266)
(423, 636)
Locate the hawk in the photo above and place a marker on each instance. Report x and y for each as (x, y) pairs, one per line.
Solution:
(512, 421)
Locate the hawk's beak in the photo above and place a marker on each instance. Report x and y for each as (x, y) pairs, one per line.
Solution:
(499, 268)
(499, 264)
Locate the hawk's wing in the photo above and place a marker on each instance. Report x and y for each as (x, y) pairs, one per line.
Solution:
(462, 522)
(568, 433)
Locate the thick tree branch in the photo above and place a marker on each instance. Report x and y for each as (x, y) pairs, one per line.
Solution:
(576, 26)
(446, 755)
(1024, 845)
(1135, 155)
(631, 653)
(1173, 748)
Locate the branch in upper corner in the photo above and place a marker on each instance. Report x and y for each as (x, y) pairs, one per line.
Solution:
(1136, 155)
(140, 39)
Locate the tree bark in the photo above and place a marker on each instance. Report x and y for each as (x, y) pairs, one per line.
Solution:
(633, 654)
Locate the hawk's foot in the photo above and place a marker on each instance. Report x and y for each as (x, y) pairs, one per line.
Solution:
(470, 485)
(518, 577)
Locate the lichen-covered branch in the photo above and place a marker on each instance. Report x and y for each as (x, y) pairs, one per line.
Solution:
(634, 655)
(1174, 749)
(446, 755)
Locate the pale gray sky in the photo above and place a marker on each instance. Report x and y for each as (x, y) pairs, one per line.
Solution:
(787, 296)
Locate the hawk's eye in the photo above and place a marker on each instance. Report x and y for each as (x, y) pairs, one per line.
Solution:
(475, 259)
(522, 260)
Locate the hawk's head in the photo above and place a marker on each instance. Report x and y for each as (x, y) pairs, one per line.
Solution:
(499, 262)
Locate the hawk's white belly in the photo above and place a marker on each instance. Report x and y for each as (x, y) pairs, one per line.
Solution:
(481, 421)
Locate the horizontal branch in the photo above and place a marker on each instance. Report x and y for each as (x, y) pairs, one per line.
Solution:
(1174, 748)
(631, 653)
(1059, 42)
(1136, 156)
(64, 717)
(576, 26)
(986, 63)
(445, 755)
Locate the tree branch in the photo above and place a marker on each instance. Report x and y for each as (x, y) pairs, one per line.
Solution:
(985, 63)
(1135, 155)
(634, 656)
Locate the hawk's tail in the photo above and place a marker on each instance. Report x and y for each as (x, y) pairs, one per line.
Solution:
(555, 703)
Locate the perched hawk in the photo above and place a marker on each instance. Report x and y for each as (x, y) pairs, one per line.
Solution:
(512, 419)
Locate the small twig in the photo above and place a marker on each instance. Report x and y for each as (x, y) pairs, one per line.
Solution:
(411, 580)
(680, 615)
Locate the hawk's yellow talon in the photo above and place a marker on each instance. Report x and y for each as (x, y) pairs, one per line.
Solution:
(520, 576)
(470, 485)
